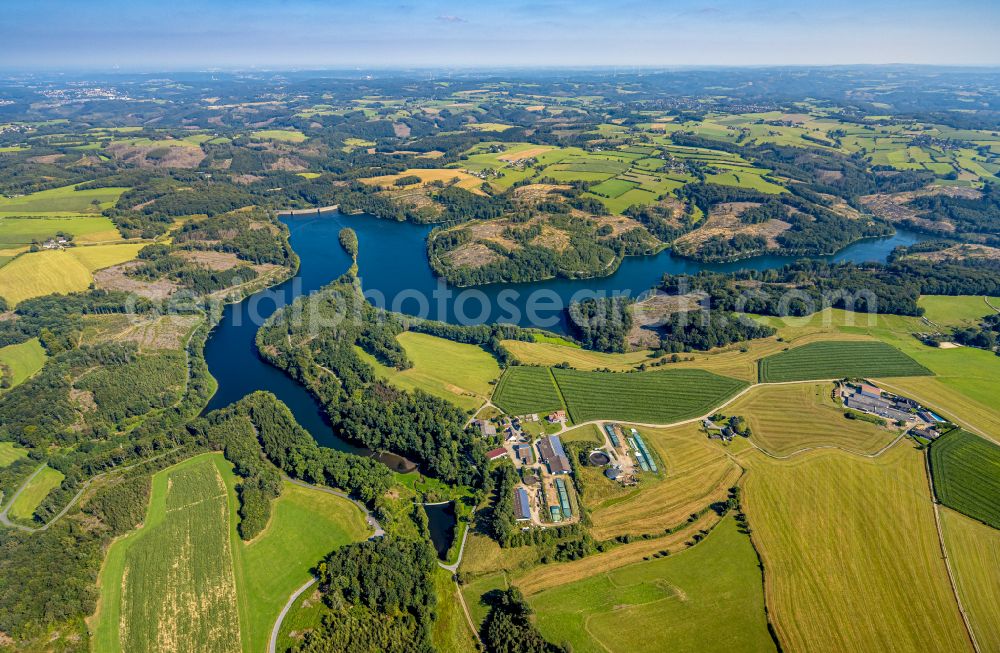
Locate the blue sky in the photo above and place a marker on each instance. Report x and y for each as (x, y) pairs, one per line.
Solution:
(196, 34)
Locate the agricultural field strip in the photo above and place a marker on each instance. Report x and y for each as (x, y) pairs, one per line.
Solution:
(965, 470)
(602, 420)
(944, 556)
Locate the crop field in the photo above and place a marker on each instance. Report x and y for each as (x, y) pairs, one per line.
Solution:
(189, 547)
(284, 135)
(19, 232)
(23, 360)
(174, 588)
(696, 472)
(453, 371)
(461, 178)
(966, 471)
(9, 452)
(834, 360)
(651, 398)
(671, 603)
(788, 418)
(612, 188)
(974, 553)
(847, 544)
(44, 482)
(59, 271)
(64, 201)
(524, 389)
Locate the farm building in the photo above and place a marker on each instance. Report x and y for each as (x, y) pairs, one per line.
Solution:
(522, 452)
(879, 407)
(495, 454)
(556, 417)
(522, 508)
(486, 428)
(551, 450)
(610, 430)
(567, 511)
(929, 434)
(868, 390)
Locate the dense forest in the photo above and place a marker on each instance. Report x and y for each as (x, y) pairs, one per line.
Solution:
(808, 286)
(602, 324)
(378, 596)
(704, 330)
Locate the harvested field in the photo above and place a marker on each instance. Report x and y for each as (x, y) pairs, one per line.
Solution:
(529, 153)
(59, 271)
(448, 176)
(697, 472)
(847, 544)
(557, 574)
(974, 553)
(789, 418)
(668, 603)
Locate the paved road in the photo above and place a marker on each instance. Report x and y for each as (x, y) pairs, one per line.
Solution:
(4, 519)
(272, 645)
(378, 531)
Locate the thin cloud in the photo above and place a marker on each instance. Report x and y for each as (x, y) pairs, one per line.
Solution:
(452, 19)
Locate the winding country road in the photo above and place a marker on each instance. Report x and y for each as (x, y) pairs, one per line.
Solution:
(378, 531)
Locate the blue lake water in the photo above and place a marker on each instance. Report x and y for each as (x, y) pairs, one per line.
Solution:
(395, 274)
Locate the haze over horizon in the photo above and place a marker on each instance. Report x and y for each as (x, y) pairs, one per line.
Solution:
(143, 35)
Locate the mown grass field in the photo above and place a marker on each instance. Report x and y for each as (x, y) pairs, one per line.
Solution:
(284, 135)
(9, 452)
(59, 271)
(44, 482)
(451, 633)
(63, 201)
(524, 389)
(788, 418)
(545, 352)
(695, 473)
(306, 525)
(974, 553)
(851, 556)
(671, 603)
(188, 547)
(966, 471)
(953, 311)
(833, 360)
(652, 398)
(23, 360)
(18, 232)
(454, 371)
